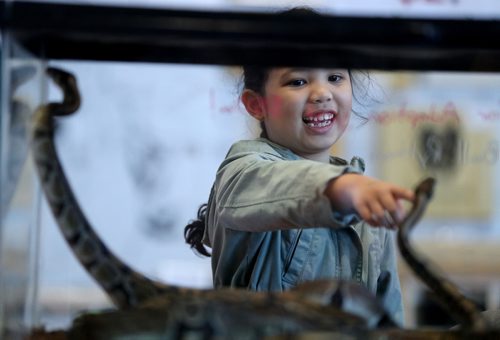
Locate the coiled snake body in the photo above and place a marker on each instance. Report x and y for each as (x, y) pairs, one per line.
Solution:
(176, 311)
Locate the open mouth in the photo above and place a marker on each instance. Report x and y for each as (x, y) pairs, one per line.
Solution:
(320, 120)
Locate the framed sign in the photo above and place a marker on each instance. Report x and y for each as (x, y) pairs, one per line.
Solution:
(439, 145)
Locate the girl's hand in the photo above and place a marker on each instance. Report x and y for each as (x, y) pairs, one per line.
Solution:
(376, 202)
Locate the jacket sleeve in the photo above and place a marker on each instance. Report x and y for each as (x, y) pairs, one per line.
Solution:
(260, 192)
(388, 285)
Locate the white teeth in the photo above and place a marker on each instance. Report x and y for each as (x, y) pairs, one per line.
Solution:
(320, 118)
(322, 124)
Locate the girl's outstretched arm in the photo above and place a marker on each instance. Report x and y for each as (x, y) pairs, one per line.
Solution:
(377, 202)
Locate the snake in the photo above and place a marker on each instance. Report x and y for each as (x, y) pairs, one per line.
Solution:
(459, 307)
(210, 313)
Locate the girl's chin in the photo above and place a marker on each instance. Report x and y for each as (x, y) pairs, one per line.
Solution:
(320, 146)
(323, 140)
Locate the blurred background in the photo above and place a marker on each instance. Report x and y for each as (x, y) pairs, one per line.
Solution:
(142, 152)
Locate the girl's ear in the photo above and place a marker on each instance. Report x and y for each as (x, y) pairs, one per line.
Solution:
(254, 104)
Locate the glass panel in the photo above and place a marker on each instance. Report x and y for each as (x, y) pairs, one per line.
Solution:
(21, 92)
(142, 153)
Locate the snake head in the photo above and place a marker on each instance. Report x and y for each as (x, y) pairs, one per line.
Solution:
(426, 187)
(60, 77)
(71, 96)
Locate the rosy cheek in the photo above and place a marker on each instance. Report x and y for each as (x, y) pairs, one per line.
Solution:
(275, 105)
(344, 119)
(345, 108)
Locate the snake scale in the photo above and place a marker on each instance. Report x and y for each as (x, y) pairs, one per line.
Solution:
(178, 312)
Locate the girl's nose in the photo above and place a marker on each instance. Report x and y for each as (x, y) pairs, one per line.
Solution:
(320, 94)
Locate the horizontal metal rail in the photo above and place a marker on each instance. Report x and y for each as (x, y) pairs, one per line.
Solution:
(112, 33)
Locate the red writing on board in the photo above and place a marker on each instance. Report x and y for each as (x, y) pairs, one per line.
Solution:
(414, 116)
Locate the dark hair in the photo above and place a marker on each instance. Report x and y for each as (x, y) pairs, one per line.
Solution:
(254, 78)
(194, 231)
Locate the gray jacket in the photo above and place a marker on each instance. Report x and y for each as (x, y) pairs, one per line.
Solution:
(271, 227)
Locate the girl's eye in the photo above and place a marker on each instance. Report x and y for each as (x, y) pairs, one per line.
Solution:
(296, 82)
(334, 78)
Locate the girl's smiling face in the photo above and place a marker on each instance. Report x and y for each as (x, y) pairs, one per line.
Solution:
(304, 109)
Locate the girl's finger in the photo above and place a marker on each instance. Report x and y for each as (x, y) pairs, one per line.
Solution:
(389, 202)
(400, 211)
(365, 214)
(402, 193)
(377, 212)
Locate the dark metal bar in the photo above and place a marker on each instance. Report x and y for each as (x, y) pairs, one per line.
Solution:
(87, 32)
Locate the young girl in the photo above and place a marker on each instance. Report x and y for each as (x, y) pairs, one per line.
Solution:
(283, 211)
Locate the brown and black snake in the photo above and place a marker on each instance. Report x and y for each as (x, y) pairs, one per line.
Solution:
(173, 312)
